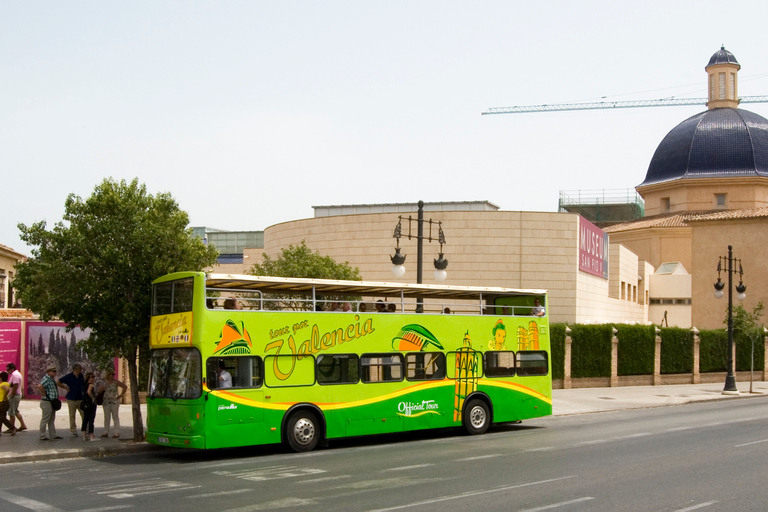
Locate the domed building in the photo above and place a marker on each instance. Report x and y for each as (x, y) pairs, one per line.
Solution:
(707, 188)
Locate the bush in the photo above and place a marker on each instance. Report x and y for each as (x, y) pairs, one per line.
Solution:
(713, 351)
(636, 349)
(591, 351)
(557, 343)
(743, 342)
(676, 350)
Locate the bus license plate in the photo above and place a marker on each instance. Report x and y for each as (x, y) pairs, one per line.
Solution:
(162, 440)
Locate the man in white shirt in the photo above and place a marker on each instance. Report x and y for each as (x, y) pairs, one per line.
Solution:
(225, 379)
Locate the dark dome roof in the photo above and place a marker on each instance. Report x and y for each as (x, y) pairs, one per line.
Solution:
(724, 142)
(723, 56)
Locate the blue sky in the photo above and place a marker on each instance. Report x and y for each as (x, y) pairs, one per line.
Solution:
(252, 112)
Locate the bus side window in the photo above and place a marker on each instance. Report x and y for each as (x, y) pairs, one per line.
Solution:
(381, 367)
(425, 366)
(212, 373)
(500, 364)
(246, 372)
(337, 369)
(533, 362)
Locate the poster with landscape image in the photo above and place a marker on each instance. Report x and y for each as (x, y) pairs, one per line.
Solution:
(49, 343)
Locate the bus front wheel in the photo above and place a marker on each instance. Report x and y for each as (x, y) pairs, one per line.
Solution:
(477, 417)
(302, 431)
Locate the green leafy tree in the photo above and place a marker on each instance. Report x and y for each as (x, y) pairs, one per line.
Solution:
(300, 261)
(95, 268)
(747, 332)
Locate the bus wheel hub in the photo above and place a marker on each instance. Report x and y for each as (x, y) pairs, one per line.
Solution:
(304, 431)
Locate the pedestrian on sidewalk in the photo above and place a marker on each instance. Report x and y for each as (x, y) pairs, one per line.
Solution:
(88, 406)
(76, 384)
(113, 392)
(48, 393)
(4, 390)
(14, 398)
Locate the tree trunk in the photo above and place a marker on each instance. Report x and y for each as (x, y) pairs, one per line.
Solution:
(133, 376)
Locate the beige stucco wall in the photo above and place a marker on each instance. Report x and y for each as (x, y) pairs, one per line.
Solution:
(535, 250)
(8, 260)
(671, 288)
(599, 301)
(657, 245)
(710, 241)
(699, 194)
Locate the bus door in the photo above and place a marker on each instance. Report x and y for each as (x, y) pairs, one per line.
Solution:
(237, 396)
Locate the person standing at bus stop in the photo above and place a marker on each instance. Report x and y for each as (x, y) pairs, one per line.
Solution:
(49, 392)
(14, 397)
(74, 396)
(113, 393)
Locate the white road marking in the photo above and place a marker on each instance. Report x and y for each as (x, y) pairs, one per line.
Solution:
(696, 507)
(270, 473)
(271, 505)
(220, 493)
(753, 442)
(133, 488)
(470, 494)
(639, 434)
(406, 468)
(37, 506)
(104, 509)
(558, 505)
(478, 457)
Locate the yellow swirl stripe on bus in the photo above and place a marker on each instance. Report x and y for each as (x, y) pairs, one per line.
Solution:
(232, 397)
(517, 387)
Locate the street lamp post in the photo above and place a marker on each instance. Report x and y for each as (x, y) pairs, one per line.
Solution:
(398, 260)
(730, 379)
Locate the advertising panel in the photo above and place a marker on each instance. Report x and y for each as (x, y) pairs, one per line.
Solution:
(593, 249)
(10, 344)
(49, 343)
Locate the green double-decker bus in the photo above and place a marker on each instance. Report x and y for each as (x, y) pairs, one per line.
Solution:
(241, 360)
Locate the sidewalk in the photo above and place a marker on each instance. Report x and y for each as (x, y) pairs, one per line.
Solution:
(26, 446)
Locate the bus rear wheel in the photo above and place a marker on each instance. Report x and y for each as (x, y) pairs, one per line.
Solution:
(302, 431)
(477, 417)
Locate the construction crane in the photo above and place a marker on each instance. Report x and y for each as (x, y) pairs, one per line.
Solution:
(560, 107)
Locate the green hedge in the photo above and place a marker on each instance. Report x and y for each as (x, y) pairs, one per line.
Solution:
(713, 351)
(676, 350)
(591, 351)
(636, 349)
(557, 341)
(743, 343)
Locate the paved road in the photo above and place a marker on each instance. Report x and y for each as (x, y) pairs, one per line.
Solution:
(704, 456)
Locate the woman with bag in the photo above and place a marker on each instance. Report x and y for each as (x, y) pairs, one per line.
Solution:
(88, 406)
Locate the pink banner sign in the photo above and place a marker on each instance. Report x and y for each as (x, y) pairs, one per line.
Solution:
(10, 344)
(593, 249)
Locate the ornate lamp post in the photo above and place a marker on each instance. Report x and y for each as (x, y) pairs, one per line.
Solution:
(398, 260)
(730, 379)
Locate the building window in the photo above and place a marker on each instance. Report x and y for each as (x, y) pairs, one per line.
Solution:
(720, 200)
(721, 80)
(732, 94)
(634, 294)
(664, 204)
(623, 291)
(712, 86)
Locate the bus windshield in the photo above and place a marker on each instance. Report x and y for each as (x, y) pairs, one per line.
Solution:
(175, 373)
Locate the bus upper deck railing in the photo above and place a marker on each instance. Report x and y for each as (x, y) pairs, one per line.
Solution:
(239, 302)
